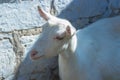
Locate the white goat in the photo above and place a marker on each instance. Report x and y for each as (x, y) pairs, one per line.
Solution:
(92, 53)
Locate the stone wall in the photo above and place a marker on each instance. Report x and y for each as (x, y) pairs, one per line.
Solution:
(21, 25)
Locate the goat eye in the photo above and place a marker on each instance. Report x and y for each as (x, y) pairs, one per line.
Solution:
(59, 38)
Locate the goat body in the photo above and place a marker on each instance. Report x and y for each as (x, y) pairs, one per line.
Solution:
(92, 53)
(97, 53)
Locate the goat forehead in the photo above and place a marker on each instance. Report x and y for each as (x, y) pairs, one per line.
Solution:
(49, 32)
(53, 28)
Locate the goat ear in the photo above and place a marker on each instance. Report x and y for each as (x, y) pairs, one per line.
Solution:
(43, 14)
(70, 31)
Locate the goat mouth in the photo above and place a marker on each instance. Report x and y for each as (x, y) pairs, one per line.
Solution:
(36, 57)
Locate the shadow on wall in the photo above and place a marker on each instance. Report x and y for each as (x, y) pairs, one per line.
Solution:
(80, 12)
(29, 70)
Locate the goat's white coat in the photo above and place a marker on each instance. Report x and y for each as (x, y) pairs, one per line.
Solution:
(97, 55)
(92, 53)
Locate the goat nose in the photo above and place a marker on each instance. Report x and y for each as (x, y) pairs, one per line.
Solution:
(33, 53)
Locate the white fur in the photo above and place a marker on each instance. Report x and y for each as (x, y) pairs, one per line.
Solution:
(97, 54)
(92, 53)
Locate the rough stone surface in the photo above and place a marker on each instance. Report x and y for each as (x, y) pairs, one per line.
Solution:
(7, 59)
(21, 25)
(19, 16)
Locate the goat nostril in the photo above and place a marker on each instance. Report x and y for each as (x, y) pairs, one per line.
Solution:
(33, 53)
